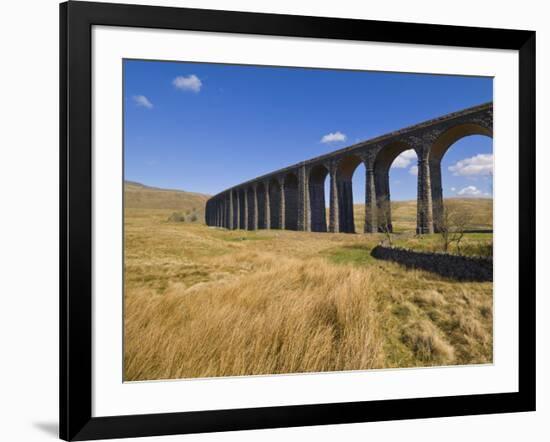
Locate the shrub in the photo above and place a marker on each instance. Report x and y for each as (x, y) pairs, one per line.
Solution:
(176, 217)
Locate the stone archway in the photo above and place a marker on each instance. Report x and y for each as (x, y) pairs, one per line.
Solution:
(290, 187)
(317, 200)
(382, 164)
(344, 176)
(438, 150)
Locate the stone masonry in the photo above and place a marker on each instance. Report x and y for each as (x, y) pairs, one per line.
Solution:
(293, 198)
(464, 268)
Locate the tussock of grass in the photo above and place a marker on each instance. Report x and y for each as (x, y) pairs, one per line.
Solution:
(428, 345)
(289, 317)
(429, 298)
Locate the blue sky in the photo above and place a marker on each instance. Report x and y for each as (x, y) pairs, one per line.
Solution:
(204, 127)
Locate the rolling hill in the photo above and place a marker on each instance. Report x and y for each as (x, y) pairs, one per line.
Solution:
(140, 196)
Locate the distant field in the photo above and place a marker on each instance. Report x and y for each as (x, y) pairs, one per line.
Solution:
(404, 213)
(203, 301)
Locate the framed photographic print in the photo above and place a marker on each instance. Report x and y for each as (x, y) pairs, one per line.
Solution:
(272, 220)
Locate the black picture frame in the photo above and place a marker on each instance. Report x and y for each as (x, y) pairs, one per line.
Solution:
(76, 21)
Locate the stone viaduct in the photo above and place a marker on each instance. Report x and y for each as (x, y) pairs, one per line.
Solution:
(293, 198)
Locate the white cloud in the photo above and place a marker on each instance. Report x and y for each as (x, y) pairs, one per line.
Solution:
(333, 137)
(414, 170)
(142, 101)
(470, 191)
(453, 189)
(404, 159)
(481, 164)
(190, 83)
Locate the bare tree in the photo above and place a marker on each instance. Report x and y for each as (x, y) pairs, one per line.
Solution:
(385, 227)
(453, 227)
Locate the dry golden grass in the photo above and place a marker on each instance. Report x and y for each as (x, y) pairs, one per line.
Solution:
(256, 324)
(480, 211)
(202, 302)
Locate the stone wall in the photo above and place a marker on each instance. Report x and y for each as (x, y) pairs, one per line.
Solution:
(463, 268)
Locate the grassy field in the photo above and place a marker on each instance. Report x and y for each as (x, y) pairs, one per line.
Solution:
(203, 302)
(404, 213)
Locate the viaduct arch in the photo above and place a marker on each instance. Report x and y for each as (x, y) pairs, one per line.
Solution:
(293, 198)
